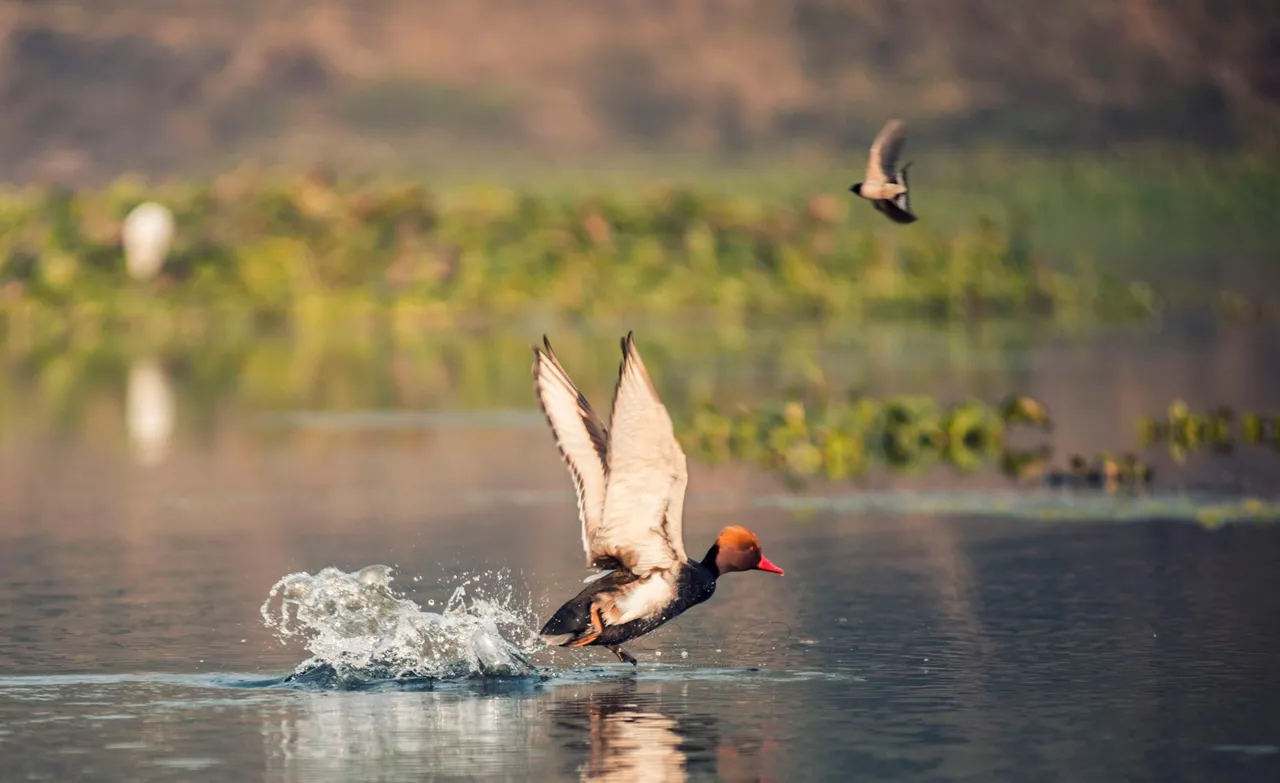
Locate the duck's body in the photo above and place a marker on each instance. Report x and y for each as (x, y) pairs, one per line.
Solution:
(630, 483)
(660, 598)
(884, 185)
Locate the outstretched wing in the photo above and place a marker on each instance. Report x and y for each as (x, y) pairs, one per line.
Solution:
(885, 151)
(648, 475)
(890, 209)
(581, 437)
(898, 208)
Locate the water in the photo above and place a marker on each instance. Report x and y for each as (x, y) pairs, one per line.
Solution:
(929, 627)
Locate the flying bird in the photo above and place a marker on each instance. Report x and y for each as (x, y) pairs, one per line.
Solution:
(884, 185)
(630, 480)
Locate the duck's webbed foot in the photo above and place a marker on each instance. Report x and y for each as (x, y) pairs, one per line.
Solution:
(623, 655)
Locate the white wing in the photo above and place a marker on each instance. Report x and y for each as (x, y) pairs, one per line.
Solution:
(885, 151)
(648, 474)
(581, 437)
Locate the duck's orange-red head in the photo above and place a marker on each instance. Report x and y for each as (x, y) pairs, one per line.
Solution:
(738, 549)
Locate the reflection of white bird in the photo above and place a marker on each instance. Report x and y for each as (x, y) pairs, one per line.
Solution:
(147, 233)
(149, 411)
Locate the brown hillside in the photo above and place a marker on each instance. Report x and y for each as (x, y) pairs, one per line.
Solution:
(161, 84)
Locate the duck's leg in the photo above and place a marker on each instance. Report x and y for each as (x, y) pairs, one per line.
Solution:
(623, 655)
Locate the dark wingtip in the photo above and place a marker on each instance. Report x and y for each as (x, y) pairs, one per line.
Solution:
(538, 354)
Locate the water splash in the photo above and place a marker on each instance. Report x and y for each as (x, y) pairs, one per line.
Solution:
(358, 629)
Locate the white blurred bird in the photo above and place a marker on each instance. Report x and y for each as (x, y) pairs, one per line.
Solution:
(147, 234)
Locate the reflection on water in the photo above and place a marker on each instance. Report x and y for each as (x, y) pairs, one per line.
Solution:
(592, 730)
(628, 738)
(1099, 385)
(929, 627)
(149, 410)
(367, 735)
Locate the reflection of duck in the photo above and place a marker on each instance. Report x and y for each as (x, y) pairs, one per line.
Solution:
(636, 733)
(631, 483)
(629, 739)
(149, 410)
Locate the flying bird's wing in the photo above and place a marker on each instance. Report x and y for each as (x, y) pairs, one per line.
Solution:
(884, 152)
(903, 200)
(581, 437)
(890, 209)
(644, 502)
(898, 208)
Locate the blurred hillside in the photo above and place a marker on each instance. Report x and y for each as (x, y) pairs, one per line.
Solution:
(89, 89)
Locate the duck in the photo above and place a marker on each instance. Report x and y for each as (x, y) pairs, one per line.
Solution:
(630, 480)
(883, 185)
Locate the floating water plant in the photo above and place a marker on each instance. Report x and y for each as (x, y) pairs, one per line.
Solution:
(842, 439)
(1183, 430)
(1102, 471)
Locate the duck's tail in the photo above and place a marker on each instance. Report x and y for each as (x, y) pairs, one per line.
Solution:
(576, 624)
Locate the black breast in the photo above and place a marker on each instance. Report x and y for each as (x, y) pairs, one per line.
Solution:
(694, 584)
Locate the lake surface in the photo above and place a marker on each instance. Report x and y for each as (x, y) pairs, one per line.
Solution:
(931, 625)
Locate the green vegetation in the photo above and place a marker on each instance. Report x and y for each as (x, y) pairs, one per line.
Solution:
(843, 438)
(1184, 431)
(810, 434)
(315, 254)
(221, 382)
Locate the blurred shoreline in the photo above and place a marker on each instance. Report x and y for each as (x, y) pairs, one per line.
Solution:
(91, 90)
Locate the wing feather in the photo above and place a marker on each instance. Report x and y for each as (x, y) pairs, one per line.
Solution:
(581, 437)
(884, 152)
(643, 520)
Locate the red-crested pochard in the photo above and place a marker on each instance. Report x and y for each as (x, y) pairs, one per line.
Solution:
(631, 480)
